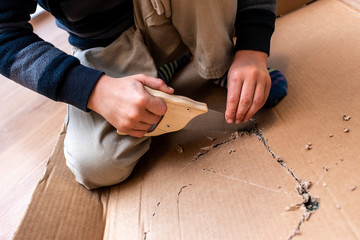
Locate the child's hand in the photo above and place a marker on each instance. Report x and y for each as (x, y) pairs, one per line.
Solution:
(248, 85)
(126, 105)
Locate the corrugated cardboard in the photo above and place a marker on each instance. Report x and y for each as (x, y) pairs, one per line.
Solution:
(286, 6)
(243, 186)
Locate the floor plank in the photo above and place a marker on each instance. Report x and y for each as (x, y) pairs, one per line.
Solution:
(29, 128)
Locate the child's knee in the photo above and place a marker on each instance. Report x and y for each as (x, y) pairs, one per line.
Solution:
(96, 167)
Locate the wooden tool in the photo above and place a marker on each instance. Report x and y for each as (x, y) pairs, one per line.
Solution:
(180, 110)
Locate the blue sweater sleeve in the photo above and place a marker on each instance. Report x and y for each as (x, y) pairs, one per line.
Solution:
(38, 65)
(255, 24)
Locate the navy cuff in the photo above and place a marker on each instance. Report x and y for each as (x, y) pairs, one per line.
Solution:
(65, 80)
(78, 85)
(253, 29)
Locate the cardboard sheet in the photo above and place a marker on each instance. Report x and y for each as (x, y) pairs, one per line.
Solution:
(242, 186)
(235, 189)
(60, 208)
(321, 63)
(286, 6)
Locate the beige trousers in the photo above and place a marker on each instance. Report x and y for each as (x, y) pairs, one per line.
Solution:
(163, 31)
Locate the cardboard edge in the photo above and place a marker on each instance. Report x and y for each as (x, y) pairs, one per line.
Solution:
(57, 209)
(43, 178)
(285, 6)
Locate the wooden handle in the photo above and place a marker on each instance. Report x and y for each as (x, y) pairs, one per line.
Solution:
(180, 110)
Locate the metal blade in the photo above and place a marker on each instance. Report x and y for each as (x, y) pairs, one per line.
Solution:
(215, 121)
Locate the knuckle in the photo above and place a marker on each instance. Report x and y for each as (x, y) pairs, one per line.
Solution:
(236, 75)
(245, 101)
(126, 124)
(134, 116)
(232, 99)
(254, 73)
(258, 102)
(140, 100)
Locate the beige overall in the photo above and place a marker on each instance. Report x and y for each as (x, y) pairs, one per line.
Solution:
(163, 31)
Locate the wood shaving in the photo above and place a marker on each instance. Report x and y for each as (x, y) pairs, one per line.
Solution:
(346, 117)
(235, 134)
(306, 197)
(353, 188)
(307, 215)
(293, 207)
(180, 149)
(306, 184)
(303, 187)
(211, 138)
(207, 148)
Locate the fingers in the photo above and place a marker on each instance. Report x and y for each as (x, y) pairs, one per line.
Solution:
(246, 101)
(154, 83)
(233, 98)
(258, 101)
(138, 124)
(247, 93)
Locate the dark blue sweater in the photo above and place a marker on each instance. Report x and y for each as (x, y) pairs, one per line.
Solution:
(38, 65)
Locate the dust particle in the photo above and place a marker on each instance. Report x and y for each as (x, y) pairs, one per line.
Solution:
(331, 135)
(280, 160)
(324, 185)
(231, 151)
(346, 130)
(346, 117)
(308, 147)
(338, 206)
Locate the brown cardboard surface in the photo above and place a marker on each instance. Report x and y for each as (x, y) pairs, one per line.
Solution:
(321, 63)
(353, 3)
(239, 188)
(286, 6)
(60, 208)
(235, 189)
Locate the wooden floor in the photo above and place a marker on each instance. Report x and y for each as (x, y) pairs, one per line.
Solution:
(29, 128)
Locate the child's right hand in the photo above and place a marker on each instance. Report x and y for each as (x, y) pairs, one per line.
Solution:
(126, 105)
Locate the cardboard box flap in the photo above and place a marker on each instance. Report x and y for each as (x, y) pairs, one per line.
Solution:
(60, 208)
